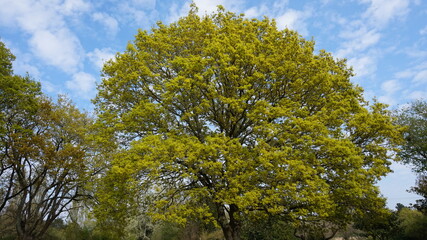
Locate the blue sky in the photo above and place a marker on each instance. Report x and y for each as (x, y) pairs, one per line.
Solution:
(63, 43)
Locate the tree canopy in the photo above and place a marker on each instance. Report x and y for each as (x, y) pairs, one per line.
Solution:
(218, 117)
(414, 151)
(44, 154)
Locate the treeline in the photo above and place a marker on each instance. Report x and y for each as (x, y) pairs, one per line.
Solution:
(213, 127)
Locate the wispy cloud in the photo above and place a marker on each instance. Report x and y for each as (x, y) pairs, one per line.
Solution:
(285, 16)
(82, 83)
(418, 95)
(415, 76)
(391, 86)
(363, 65)
(204, 7)
(145, 4)
(50, 38)
(295, 20)
(73, 7)
(415, 73)
(108, 21)
(208, 7)
(99, 56)
(139, 15)
(256, 11)
(362, 35)
(357, 39)
(59, 48)
(390, 89)
(176, 11)
(381, 12)
(387, 100)
(420, 77)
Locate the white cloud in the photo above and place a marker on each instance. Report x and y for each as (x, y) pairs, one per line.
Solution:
(109, 22)
(417, 50)
(420, 77)
(22, 64)
(417, 95)
(21, 68)
(99, 56)
(279, 6)
(256, 11)
(418, 73)
(141, 16)
(29, 15)
(381, 12)
(175, 12)
(294, 19)
(147, 4)
(387, 100)
(404, 74)
(82, 83)
(272, 10)
(363, 65)
(205, 7)
(368, 94)
(391, 86)
(325, 2)
(44, 21)
(210, 6)
(57, 48)
(358, 39)
(70, 7)
(423, 31)
(50, 87)
(362, 35)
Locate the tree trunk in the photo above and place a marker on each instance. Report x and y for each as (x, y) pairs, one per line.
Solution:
(229, 224)
(26, 237)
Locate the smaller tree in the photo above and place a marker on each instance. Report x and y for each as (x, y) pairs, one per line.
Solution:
(56, 177)
(43, 154)
(421, 189)
(18, 107)
(413, 224)
(6, 59)
(414, 151)
(381, 225)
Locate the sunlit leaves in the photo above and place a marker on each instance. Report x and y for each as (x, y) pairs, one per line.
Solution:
(222, 114)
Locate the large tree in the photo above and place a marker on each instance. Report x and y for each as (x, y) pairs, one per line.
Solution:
(219, 116)
(43, 154)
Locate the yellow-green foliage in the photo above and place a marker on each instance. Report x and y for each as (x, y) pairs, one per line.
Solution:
(218, 111)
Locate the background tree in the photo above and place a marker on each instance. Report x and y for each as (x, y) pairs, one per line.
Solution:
(421, 189)
(414, 151)
(379, 225)
(18, 104)
(267, 228)
(219, 116)
(412, 223)
(6, 59)
(44, 155)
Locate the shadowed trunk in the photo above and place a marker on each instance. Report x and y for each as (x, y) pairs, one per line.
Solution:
(227, 219)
